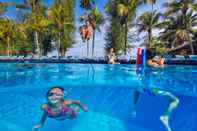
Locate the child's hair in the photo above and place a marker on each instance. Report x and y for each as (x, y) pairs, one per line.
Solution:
(62, 89)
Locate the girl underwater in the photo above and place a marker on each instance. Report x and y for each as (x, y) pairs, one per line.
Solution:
(58, 108)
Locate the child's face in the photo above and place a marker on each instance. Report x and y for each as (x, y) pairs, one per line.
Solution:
(55, 96)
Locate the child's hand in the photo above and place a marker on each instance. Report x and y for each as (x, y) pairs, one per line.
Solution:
(36, 127)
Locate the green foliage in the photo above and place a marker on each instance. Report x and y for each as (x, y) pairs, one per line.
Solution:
(57, 22)
(123, 12)
(115, 37)
(61, 15)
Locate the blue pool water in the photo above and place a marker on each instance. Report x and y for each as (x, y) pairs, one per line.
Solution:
(107, 90)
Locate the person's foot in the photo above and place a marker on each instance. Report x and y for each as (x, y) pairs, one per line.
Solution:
(165, 121)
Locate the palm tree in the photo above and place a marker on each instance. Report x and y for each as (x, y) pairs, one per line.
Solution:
(182, 6)
(86, 30)
(175, 30)
(126, 10)
(7, 33)
(152, 2)
(95, 18)
(36, 20)
(115, 31)
(147, 22)
(62, 22)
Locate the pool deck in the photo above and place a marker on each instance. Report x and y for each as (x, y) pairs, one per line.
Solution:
(92, 61)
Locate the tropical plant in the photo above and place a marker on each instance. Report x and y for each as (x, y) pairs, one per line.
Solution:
(152, 2)
(126, 11)
(7, 33)
(36, 20)
(147, 22)
(62, 22)
(184, 7)
(115, 31)
(95, 18)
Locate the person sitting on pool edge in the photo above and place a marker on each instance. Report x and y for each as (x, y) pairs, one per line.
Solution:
(152, 60)
(111, 57)
(59, 108)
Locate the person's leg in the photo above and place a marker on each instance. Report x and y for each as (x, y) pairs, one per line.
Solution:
(135, 99)
(173, 103)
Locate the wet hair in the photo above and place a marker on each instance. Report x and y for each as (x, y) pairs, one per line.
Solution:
(48, 92)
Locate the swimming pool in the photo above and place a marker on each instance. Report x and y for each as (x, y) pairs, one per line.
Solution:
(107, 90)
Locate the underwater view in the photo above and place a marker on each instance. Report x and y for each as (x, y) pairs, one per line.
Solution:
(108, 91)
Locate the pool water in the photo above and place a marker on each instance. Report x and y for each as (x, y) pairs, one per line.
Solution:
(107, 90)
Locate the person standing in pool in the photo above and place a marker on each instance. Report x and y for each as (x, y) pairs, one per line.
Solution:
(58, 108)
(111, 57)
(173, 100)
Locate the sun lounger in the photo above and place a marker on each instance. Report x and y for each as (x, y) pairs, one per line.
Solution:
(193, 57)
(179, 57)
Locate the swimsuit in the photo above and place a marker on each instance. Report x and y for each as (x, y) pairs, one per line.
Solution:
(154, 91)
(65, 112)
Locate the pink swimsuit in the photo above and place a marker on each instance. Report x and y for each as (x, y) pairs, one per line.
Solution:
(65, 112)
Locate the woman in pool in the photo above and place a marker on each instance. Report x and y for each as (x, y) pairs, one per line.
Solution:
(151, 60)
(59, 108)
(111, 57)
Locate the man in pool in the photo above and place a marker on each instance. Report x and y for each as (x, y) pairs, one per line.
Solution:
(59, 108)
(152, 60)
(173, 100)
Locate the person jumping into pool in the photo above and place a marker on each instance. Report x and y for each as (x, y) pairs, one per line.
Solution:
(173, 100)
(59, 108)
(152, 60)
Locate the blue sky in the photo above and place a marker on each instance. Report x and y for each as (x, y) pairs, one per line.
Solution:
(79, 49)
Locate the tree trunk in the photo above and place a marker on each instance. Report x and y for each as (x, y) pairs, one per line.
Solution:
(149, 38)
(8, 46)
(125, 44)
(152, 7)
(59, 44)
(191, 46)
(62, 51)
(87, 48)
(37, 43)
(93, 40)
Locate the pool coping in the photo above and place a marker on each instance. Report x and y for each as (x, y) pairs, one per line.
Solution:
(92, 61)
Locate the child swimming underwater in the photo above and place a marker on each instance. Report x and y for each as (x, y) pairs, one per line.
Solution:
(58, 108)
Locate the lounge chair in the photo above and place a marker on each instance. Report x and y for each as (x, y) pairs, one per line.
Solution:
(179, 57)
(193, 57)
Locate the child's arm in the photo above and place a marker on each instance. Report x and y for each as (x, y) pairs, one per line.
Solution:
(75, 102)
(41, 123)
(83, 107)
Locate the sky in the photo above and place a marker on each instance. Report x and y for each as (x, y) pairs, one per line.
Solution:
(79, 49)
